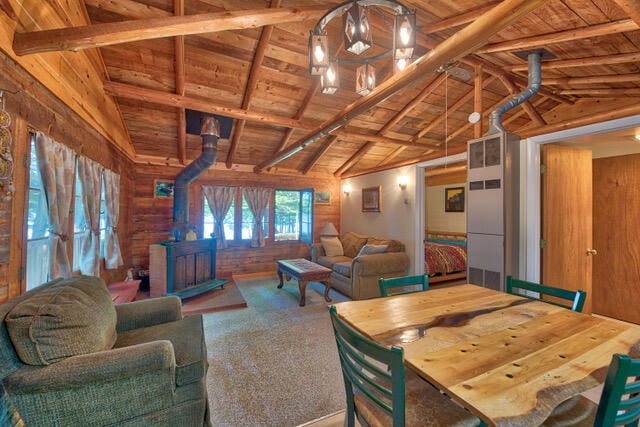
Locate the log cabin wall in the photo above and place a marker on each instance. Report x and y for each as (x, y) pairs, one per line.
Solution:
(32, 107)
(152, 218)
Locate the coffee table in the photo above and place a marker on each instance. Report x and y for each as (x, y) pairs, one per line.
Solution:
(305, 271)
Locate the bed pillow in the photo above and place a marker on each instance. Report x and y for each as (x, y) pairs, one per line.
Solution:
(372, 249)
(73, 317)
(332, 246)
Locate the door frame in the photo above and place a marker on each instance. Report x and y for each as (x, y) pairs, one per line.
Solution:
(530, 194)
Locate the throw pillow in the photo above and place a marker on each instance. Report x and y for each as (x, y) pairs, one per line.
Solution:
(332, 246)
(372, 249)
(72, 317)
(352, 243)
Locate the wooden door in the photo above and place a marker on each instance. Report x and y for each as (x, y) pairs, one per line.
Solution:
(616, 268)
(567, 219)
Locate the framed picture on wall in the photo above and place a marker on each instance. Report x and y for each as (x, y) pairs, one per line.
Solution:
(371, 199)
(322, 197)
(454, 199)
(162, 188)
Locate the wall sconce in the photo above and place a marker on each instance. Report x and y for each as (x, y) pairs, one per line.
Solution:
(403, 181)
(346, 189)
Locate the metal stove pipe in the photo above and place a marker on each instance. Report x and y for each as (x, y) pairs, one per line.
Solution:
(535, 79)
(210, 132)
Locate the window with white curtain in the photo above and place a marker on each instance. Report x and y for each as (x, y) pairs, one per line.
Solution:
(37, 226)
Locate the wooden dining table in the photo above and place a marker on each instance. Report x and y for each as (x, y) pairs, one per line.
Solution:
(509, 360)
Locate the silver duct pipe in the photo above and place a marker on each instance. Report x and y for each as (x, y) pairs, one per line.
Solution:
(210, 132)
(535, 79)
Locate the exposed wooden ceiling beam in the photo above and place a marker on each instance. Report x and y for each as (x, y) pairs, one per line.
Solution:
(582, 62)
(354, 158)
(303, 107)
(589, 119)
(604, 93)
(478, 99)
(90, 36)
(616, 78)
(254, 74)
(128, 8)
(395, 153)
(325, 147)
(448, 110)
(163, 98)
(465, 41)
(562, 36)
(178, 42)
(456, 21)
(632, 8)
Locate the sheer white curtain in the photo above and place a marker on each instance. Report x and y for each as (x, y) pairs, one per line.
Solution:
(56, 163)
(90, 175)
(219, 200)
(112, 254)
(258, 200)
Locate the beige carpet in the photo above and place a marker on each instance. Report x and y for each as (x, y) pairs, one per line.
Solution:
(274, 363)
(228, 297)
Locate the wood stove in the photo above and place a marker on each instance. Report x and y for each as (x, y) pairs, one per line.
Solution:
(183, 268)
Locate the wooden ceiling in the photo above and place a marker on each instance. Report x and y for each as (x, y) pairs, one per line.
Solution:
(248, 60)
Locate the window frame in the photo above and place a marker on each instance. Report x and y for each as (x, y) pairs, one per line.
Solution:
(270, 213)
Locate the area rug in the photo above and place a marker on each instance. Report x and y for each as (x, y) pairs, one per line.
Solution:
(274, 363)
(226, 298)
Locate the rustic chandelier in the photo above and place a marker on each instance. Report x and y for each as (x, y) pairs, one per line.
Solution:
(357, 34)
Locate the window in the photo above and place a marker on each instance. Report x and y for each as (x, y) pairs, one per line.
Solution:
(37, 227)
(293, 212)
(79, 223)
(245, 222)
(37, 256)
(208, 222)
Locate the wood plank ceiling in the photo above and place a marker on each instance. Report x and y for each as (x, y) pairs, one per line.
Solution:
(258, 75)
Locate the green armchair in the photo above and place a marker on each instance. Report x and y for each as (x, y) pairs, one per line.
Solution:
(69, 356)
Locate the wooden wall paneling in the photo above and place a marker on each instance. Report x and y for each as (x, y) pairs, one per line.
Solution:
(152, 217)
(616, 267)
(35, 107)
(71, 76)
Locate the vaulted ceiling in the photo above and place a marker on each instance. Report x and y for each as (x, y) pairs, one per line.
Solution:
(248, 60)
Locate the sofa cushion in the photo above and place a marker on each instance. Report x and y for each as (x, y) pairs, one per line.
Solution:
(342, 268)
(71, 317)
(352, 243)
(392, 245)
(331, 246)
(372, 249)
(186, 336)
(328, 261)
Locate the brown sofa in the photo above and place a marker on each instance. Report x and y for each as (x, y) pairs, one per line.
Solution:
(356, 274)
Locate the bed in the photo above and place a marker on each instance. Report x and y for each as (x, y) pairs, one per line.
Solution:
(445, 255)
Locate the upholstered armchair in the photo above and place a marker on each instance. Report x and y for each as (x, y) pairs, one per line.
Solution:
(69, 356)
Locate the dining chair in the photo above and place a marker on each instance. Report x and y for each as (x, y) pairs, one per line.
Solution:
(573, 300)
(381, 392)
(403, 282)
(619, 401)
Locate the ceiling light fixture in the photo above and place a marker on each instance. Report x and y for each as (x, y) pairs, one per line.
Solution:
(357, 33)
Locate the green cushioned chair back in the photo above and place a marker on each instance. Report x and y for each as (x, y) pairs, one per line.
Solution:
(573, 300)
(620, 399)
(9, 361)
(372, 370)
(403, 284)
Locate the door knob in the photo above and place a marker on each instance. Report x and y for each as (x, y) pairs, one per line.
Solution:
(592, 252)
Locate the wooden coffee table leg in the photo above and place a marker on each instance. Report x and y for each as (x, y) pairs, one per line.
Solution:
(302, 284)
(280, 276)
(327, 287)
